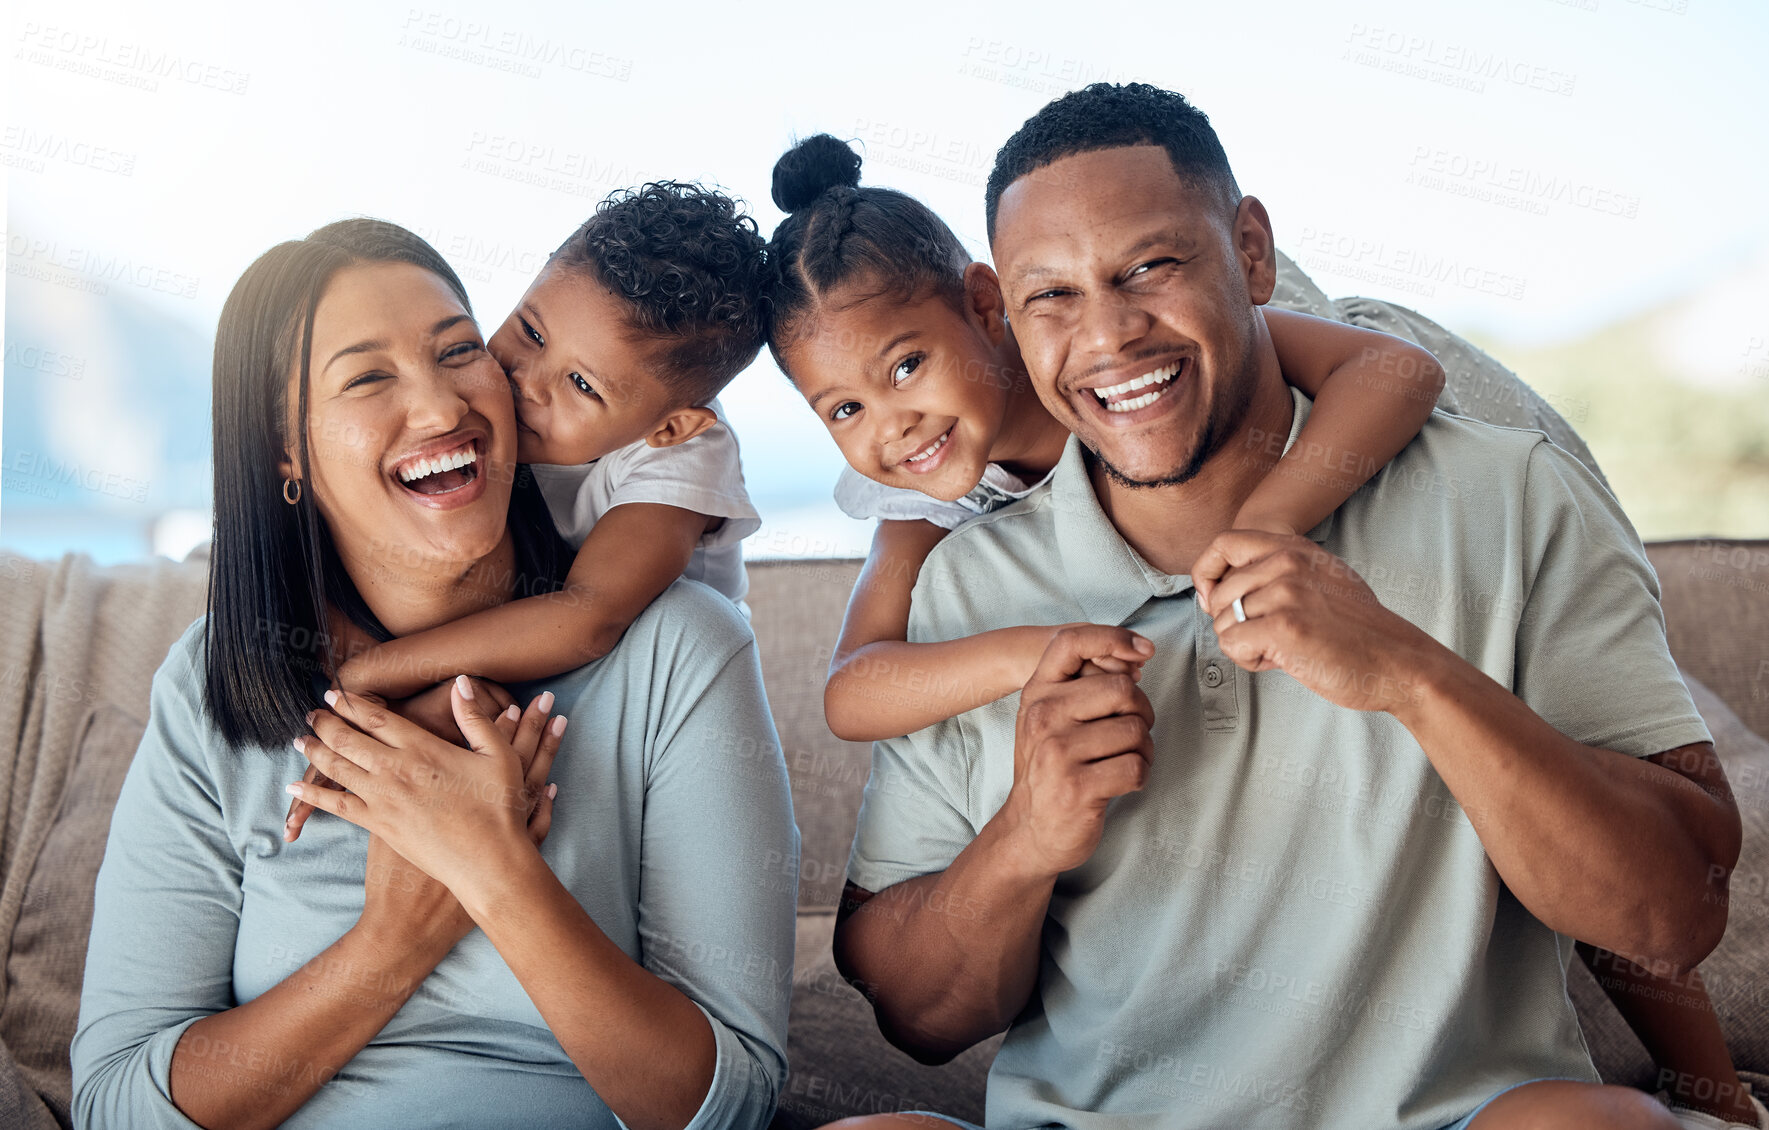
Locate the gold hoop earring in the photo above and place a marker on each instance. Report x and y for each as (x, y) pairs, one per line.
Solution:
(287, 483)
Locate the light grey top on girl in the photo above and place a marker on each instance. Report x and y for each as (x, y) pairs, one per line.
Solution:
(866, 499)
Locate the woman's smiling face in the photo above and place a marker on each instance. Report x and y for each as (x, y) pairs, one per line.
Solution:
(411, 428)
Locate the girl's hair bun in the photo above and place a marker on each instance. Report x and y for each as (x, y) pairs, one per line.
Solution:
(811, 168)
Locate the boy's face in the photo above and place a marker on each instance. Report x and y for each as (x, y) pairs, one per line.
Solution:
(1131, 293)
(584, 381)
(912, 393)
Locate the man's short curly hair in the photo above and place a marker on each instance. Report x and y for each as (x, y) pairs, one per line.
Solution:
(1107, 116)
(689, 265)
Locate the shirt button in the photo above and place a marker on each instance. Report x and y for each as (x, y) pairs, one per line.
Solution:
(1212, 675)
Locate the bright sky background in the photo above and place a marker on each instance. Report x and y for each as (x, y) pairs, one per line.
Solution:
(1586, 158)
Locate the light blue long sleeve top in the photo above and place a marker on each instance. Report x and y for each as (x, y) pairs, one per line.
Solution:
(673, 828)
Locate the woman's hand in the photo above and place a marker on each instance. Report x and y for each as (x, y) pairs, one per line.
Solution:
(403, 906)
(444, 808)
(428, 708)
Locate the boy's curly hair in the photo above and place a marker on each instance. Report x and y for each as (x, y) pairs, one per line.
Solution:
(689, 265)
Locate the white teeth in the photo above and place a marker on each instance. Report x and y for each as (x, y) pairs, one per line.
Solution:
(1134, 403)
(424, 468)
(1159, 377)
(937, 445)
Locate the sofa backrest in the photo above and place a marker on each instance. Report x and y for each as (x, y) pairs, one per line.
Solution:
(797, 611)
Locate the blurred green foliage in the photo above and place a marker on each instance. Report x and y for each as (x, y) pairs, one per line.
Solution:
(1685, 459)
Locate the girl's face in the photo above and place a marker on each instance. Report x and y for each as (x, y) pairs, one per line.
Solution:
(914, 394)
(411, 431)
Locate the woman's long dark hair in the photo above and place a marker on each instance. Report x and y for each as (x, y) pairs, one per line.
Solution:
(273, 569)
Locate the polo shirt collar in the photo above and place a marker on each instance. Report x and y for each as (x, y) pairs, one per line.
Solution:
(1108, 578)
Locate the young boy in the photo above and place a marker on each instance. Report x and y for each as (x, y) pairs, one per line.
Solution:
(614, 356)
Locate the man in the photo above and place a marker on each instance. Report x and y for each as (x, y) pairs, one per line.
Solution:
(1320, 865)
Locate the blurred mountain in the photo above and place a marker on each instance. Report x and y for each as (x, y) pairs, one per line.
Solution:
(106, 423)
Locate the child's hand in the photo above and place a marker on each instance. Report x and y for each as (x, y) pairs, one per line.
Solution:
(429, 709)
(300, 810)
(1108, 665)
(1101, 665)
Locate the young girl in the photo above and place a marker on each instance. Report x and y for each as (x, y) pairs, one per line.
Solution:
(900, 344)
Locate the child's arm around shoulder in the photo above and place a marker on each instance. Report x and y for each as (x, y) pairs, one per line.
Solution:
(881, 686)
(1372, 394)
(634, 552)
(650, 525)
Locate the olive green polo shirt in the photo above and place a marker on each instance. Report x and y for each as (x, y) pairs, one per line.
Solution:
(1294, 924)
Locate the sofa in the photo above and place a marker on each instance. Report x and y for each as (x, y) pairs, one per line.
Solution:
(79, 645)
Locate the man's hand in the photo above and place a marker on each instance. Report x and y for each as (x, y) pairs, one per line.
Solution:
(1311, 616)
(1079, 741)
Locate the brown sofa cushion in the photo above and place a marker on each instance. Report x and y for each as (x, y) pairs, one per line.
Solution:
(1735, 972)
(798, 608)
(21, 1108)
(1716, 601)
(842, 1066)
(48, 955)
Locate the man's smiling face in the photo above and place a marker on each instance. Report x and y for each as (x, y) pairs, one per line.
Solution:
(1131, 293)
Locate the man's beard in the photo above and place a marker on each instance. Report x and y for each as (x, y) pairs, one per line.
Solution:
(1223, 420)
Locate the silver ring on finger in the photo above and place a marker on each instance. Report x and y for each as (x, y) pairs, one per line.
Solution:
(1240, 611)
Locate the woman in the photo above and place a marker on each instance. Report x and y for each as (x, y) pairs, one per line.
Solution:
(632, 962)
